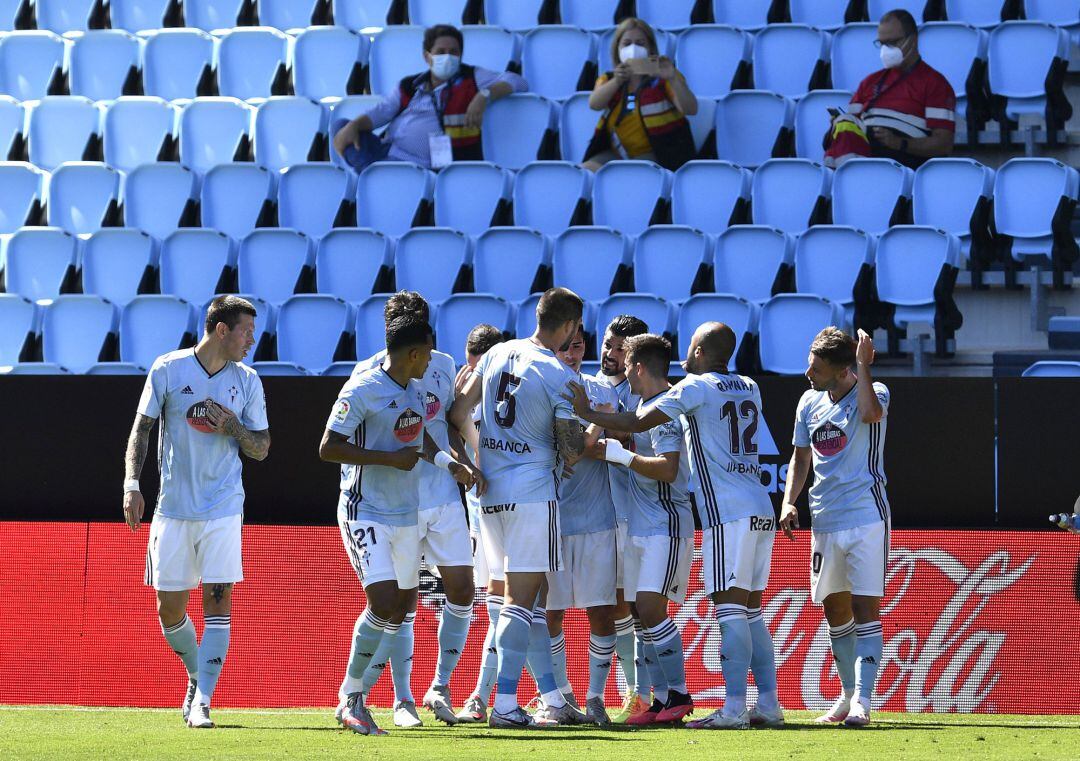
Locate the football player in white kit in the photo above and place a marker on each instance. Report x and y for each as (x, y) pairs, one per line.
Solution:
(378, 431)
(840, 432)
(528, 433)
(722, 411)
(212, 409)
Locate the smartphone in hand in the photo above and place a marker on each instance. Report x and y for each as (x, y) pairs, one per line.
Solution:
(646, 67)
(835, 111)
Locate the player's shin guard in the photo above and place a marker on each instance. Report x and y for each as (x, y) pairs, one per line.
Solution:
(842, 641)
(667, 640)
(735, 649)
(212, 652)
(601, 650)
(367, 634)
(558, 662)
(624, 646)
(512, 642)
(539, 658)
(642, 682)
(453, 631)
(377, 667)
(489, 666)
(762, 660)
(181, 638)
(401, 658)
(868, 646)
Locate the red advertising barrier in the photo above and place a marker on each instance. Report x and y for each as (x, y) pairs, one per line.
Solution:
(973, 620)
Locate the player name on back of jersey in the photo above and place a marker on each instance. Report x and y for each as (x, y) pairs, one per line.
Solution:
(517, 447)
(732, 383)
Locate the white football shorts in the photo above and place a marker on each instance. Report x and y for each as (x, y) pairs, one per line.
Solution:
(444, 536)
(659, 564)
(521, 537)
(737, 554)
(379, 552)
(587, 579)
(852, 560)
(182, 553)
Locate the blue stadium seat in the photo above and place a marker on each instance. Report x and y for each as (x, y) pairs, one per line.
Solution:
(289, 14)
(236, 198)
(61, 129)
(370, 325)
(877, 8)
(328, 62)
(703, 125)
(657, 313)
(350, 263)
(272, 263)
(812, 121)
(74, 330)
(712, 58)
(101, 62)
(212, 132)
(1062, 13)
(577, 123)
(249, 60)
(158, 198)
(175, 61)
(23, 196)
(910, 260)
(195, 263)
(1051, 369)
(628, 195)
(547, 195)
(709, 195)
(472, 196)
(137, 130)
(752, 261)
(823, 14)
(309, 329)
(985, 13)
(515, 15)
(138, 15)
(461, 313)
(431, 12)
(29, 61)
(788, 324)
(745, 14)
(396, 52)
(1030, 198)
(115, 368)
(514, 129)
(312, 196)
(9, 11)
(506, 261)
(64, 15)
(19, 326)
(154, 325)
(953, 49)
(829, 260)
(593, 15)
(490, 47)
(791, 194)
(753, 124)
(339, 369)
(83, 196)
(666, 14)
(115, 262)
(428, 260)
(265, 322)
(553, 59)
(38, 261)
(12, 119)
(391, 196)
(587, 259)
(525, 320)
(34, 368)
(288, 131)
(361, 14)
(854, 56)
(790, 58)
(667, 259)
(213, 14)
(954, 195)
(1021, 55)
(279, 369)
(737, 313)
(871, 194)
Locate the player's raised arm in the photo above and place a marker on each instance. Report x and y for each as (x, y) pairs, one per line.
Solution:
(870, 409)
(630, 422)
(138, 441)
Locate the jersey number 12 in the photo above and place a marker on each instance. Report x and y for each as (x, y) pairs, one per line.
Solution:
(747, 410)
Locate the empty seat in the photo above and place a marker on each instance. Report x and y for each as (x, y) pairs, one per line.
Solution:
(790, 59)
(288, 131)
(713, 58)
(577, 124)
(428, 260)
(550, 195)
(587, 259)
(38, 262)
(116, 262)
(350, 263)
(703, 127)
(272, 263)
(137, 130)
(752, 261)
(62, 128)
(877, 8)
(752, 126)
(309, 329)
(361, 14)
(12, 118)
(139, 15)
(709, 195)
(392, 196)
(737, 313)
(668, 259)
(64, 15)
(912, 265)
(516, 15)
(823, 14)
(854, 56)
(213, 131)
(29, 62)
(34, 368)
(525, 321)
(396, 52)
(1051, 369)
(745, 14)
(629, 195)
(195, 263)
(20, 203)
(788, 324)
(432, 12)
(158, 198)
(1023, 56)
(370, 325)
(251, 62)
(9, 12)
(791, 194)
(506, 261)
(954, 49)
(289, 14)
(590, 14)
(213, 14)
(237, 198)
(812, 121)
(115, 368)
(554, 60)
(472, 196)
(176, 61)
(652, 310)
(975, 12)
(1057, 12)
(956, 195)
(490, 47)
(18, 327)
(666, 14)
(311, 197)
(74, 330)
(279, 369)
(1033, 203)
(328, 62)
(515, 128)
(341, 369)
(154, 325)
(83, 196)
(871, 194)
(829, 262)
(461, 313)
(103, 64)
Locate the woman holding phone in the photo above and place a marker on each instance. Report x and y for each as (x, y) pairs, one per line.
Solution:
(645, 101)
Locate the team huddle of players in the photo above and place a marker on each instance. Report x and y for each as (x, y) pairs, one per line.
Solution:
(580, 492)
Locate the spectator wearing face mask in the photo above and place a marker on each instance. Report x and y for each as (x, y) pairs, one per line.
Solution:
(645, 101)
(435, 116)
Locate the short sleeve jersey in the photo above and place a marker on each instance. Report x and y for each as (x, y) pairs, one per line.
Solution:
(849, 460)
(585, 505)
(618, 476)
(912, 103)
(375, 412)
(437, 486)
(200, 469)
(723, 412)
(658, 508)
(522, 385)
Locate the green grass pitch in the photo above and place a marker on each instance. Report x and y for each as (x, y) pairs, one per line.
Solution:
(64, 733)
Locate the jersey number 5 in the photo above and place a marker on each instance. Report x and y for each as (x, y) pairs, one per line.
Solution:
(505, 404)
(747, 410)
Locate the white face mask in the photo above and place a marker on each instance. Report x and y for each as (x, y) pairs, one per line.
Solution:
(891, 56)
(445, 66)
(633, 51)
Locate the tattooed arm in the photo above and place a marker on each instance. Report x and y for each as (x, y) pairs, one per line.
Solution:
(138, 441)
(254, 444)
(569, 440)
